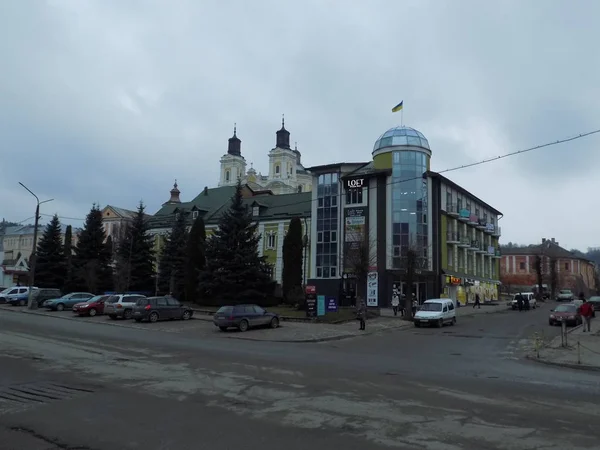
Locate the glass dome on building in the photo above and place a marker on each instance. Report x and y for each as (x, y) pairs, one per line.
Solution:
(401, 136)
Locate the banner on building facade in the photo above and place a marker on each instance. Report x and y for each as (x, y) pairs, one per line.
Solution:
(372, 288)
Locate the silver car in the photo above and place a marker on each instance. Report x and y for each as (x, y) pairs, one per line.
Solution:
(121, 305)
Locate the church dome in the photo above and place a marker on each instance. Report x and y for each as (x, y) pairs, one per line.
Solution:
(401, 137)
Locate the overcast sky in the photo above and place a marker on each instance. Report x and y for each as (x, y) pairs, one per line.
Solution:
(109, 101)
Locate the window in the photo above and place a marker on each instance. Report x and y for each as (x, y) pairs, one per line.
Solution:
(522, 266)
(161, 301)
(227, 175)
(327, 225)
(172, 301)
(354, 196)
(277, 169)
(450, 256)
(448, 200)
(271, 240)
(255, 210)
(300, 189)
(477, 212)
(194, 214)
(566, 266)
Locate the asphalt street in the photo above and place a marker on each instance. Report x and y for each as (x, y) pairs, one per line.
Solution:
(75, 385)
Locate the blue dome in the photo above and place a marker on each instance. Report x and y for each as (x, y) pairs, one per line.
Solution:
(401, 136)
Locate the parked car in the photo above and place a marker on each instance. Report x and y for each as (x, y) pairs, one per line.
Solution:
(91, 307)
(526, 295)
(567, 313)
(67, 301)
(437, 311)
(244, 317)
(21, 297)
(565, 295)
(40, 295)
(154, 309)
(595, 302)
(121, 305)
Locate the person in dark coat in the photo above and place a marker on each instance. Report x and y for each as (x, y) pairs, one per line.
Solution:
(520, 302)
(361, 314)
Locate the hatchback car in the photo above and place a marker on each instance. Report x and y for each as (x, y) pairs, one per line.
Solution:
(67, 301)
(93, 306)
(154, 309)
(244, 317)
(43, 294)
(565, 313)
(121, 305)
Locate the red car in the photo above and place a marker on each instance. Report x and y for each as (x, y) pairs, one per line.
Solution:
(567, 313)
(91, 307)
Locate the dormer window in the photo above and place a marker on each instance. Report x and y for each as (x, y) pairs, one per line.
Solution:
(194, 215)
(255, 211)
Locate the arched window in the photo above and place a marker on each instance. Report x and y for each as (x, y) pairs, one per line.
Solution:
(277, 169)
(299, 188)
(227, 175)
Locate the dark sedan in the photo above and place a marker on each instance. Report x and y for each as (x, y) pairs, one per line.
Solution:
(567, 313)
(244, 317)
(154, 309)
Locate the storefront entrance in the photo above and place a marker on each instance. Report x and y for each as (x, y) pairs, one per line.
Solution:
(419, 290)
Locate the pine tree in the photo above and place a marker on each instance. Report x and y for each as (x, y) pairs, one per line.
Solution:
(196, 260)
(234, 271)
(50, 267)
(292, 261)
(135, 255)
(68, 253)
(172, 267)
(92, 260)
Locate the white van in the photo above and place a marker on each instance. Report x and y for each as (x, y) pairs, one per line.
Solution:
(526, 295)
(436, 311)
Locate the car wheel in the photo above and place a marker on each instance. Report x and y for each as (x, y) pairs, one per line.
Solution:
(223, 328)
(440, 323)
(274, 322)
(60, 307)
(244, 325)
(153, 317)
(186, 315)
(21, 302)
(453, 321)
(127, 314)
(93, 312)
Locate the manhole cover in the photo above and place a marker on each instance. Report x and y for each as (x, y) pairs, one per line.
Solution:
(21, 396)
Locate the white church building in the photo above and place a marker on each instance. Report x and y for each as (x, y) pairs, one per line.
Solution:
(286, 174)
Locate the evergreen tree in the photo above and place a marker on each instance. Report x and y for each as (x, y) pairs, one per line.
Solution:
(234, 271)
(92, 259)
(50, 267)
(292, 261)
(196, 260)
(172, 267)
(68, 253)
(135, 255)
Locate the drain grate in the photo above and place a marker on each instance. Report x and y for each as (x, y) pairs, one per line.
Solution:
(17, 397)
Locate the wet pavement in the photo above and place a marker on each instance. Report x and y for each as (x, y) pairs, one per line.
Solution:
(463, 387)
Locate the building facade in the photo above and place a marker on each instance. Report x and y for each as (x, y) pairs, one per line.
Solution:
(272, 213)
(518, 271)
(116, 220)
(17, 245)
(395, 206)
(286, 174)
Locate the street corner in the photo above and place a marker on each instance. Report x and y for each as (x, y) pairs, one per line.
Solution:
(576, 350)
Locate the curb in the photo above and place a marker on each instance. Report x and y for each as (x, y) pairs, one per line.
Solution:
(565, 365)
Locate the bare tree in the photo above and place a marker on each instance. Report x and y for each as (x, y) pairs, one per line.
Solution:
(553, 278)
(539, 272)
(360, 257)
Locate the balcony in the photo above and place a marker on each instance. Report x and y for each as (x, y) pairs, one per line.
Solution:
(473, 220)
(452, 209)
(481, 224)
(497, 254)
(465, 242)
(453, 237)
(497, 232)
(482, 248)
(474, 245)
(464, 215)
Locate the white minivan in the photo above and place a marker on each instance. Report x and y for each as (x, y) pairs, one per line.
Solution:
(437, 311)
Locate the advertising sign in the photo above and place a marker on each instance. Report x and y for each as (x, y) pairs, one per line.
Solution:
(332, 305)
(320, 305)
(464, 213)
(372, 284)
(489, 227)
(354, 183)
(311, 301)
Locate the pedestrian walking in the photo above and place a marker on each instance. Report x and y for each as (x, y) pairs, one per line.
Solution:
(361, 314)
(477, 302)
(395, 303)
(520, 302)
(586, 310)
(414, 307)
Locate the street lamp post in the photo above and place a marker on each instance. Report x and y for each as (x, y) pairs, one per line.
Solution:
(32, 259)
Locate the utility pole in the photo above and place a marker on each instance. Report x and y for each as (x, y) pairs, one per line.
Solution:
(32, 259)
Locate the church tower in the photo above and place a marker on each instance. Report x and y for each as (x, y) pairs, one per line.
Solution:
(233, 164)
(282, 159)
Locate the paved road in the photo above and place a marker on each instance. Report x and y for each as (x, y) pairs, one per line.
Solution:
(68, 385)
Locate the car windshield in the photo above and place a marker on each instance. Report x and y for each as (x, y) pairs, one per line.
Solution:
(431, 306)
(565, 291)
(94, 299)
(566, 308)
(225, 310)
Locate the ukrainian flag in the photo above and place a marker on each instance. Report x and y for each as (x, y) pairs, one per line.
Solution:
(398, 107)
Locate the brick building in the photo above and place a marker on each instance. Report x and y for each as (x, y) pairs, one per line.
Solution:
(517, 268)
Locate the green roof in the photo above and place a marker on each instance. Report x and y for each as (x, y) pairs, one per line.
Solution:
(212, 203)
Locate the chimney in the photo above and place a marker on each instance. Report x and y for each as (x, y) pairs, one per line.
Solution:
(553, 241)
(205, 191)
(543, 240)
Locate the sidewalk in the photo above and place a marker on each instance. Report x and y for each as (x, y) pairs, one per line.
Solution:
(582, 351)
(463, 311)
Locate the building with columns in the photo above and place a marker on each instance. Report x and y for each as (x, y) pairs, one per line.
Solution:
(286, 174)
(394, 203)
(518, 273)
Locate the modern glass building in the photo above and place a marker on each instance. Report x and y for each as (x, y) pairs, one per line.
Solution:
(395, 206)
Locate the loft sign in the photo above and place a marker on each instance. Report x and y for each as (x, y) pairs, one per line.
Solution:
(355, 183)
